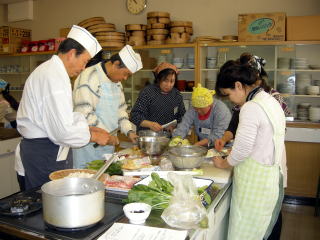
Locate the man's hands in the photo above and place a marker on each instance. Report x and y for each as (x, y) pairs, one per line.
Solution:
(102, 137)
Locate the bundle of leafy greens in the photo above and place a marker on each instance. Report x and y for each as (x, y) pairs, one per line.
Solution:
(113, 169)
(158, 193)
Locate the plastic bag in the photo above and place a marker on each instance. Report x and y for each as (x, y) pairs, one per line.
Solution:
(185, 209)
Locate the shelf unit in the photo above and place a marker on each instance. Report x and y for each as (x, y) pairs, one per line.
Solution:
(15, 68)
(271, 51)
(152, 54)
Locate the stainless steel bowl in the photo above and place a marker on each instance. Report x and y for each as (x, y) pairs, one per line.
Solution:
(153, 145)
(187, 157)
(150, 133)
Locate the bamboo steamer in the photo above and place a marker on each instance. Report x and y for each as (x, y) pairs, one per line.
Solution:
(178, 38)
(89, 24)
(181, 24)
(136, 41)
(159, 37)
(96, 30)
(138, 33)
(181, 30)
(135, 27)
(158, 14)
(158, 26)
(157, 31)
(156, 42)
(111, 44)
(102, 25)
(103, 33)
(163, 20)
(109, 38)
(90, 20)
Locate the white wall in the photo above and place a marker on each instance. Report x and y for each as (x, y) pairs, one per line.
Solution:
(210, 17)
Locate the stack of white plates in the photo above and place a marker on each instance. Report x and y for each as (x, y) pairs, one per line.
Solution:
(299, 63)
(303, 111)
(283, 63)
(313, 90)
(316, 82)
(314, 114)
(303, 80)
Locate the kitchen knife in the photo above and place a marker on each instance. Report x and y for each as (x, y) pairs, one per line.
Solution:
(174, 122)
(111, 133)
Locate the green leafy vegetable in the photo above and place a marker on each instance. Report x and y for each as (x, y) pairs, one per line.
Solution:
(113, 169)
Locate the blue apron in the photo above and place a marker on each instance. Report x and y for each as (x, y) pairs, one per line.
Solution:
(107, 112)
(39, 159)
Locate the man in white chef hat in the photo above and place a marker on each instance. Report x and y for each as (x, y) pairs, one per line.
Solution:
(45, 116)
(98, 94)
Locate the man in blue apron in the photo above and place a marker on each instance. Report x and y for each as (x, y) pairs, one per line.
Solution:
(98, 95)
(45, 116)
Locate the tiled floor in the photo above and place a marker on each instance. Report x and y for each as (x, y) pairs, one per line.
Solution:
(299, 223)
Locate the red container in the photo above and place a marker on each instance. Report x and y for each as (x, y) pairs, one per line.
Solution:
(33, 46)
(181, 85)
(25, 46)
(43, 45)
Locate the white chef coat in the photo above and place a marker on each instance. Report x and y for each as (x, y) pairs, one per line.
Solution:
(46, 108)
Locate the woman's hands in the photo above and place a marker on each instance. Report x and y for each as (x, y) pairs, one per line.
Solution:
(154, 126)
(220, 162)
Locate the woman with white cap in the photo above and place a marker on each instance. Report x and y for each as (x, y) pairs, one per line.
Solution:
(45, 116)
(210, 117)
(98, 95)
(159, 103)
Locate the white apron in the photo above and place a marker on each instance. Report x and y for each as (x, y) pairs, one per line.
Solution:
(257, 189)
(107, 112)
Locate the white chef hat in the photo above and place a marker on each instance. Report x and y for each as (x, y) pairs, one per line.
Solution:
(85, 38)
(131, 59)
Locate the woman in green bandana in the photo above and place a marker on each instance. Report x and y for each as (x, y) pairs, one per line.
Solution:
(256, 155)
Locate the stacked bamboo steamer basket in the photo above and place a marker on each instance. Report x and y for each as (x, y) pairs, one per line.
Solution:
(136, 34)
(180, 32)
(104, 32)
(158, 27)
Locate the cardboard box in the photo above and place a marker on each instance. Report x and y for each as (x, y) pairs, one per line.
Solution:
(11, 39)
(262, 27)
(303, 28)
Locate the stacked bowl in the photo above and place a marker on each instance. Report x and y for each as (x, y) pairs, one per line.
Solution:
(303, 111)
(299, 63)
(283, 63)
(303, 81)
(313, 90)
(314, 114)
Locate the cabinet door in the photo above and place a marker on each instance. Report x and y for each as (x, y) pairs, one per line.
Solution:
(213, 57)
(298, 68)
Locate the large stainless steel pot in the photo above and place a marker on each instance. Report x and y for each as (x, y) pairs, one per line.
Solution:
(187, 157)
(73, 202)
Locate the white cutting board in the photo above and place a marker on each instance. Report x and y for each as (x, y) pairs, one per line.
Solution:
(216, 174)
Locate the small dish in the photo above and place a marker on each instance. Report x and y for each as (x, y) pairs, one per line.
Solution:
(137, 213)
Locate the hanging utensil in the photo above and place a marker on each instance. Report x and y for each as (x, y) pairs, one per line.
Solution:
(111, 133)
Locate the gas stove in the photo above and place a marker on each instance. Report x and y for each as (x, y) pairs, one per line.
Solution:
(22, 213)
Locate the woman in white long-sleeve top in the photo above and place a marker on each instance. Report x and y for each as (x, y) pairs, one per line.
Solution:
(256, 154)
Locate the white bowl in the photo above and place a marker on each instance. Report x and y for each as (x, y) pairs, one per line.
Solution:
(137, 213)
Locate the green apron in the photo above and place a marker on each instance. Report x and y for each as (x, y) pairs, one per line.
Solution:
(257, 193)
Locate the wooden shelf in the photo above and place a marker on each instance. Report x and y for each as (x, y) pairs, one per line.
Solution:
(264, 43)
